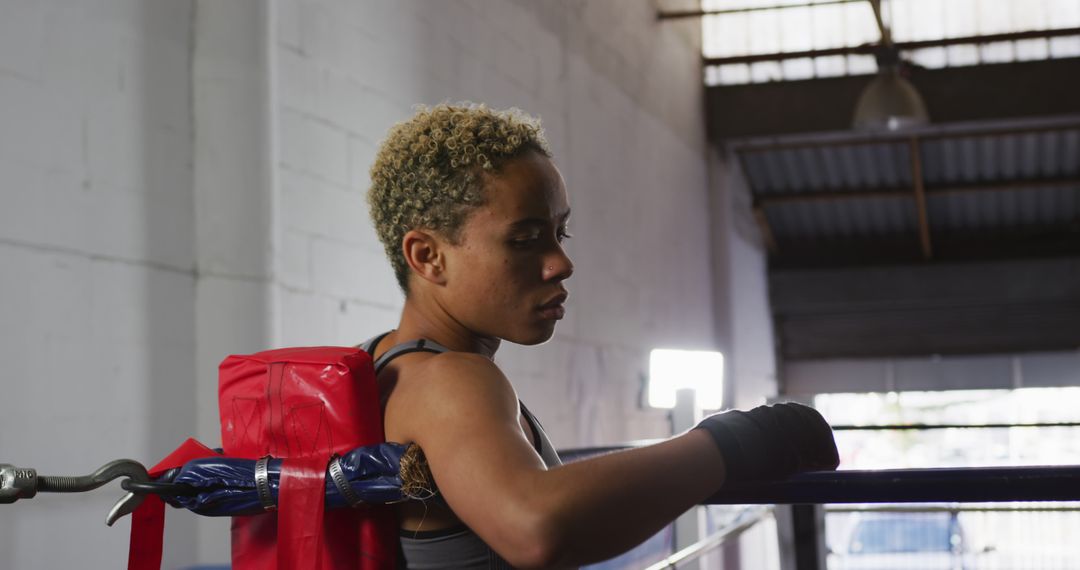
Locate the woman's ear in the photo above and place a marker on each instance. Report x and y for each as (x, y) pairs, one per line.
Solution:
(424, 254)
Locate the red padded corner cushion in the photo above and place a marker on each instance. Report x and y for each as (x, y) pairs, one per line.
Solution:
(304, 404)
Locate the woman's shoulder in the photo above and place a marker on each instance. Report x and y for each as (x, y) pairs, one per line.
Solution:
(428, 390)
(458, 376)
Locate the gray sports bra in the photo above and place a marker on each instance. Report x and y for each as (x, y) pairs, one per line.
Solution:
(456, 547)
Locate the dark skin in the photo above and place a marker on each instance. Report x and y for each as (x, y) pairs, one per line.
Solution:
(501, 280)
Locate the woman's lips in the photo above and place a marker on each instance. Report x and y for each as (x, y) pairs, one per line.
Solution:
(554, 309)
(553, 312)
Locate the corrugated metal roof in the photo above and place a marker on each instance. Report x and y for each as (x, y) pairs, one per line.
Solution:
(1034, 171)
(829, 168)
(1013, 156)
(1004, 210)
(843, 218)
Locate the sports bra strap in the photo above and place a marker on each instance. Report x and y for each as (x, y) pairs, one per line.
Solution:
(419, 345)
(369, 345)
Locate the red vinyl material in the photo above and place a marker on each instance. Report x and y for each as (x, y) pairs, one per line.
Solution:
(305, 404)
(148, 520)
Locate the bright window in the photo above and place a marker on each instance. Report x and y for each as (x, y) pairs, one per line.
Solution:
(851, 24)
(673, 370)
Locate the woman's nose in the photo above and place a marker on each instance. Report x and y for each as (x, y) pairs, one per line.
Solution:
(558, 266)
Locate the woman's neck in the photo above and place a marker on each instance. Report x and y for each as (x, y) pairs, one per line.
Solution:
(427, 320)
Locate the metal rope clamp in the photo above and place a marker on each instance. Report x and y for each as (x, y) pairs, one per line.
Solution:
(262, 484)
(342, 483)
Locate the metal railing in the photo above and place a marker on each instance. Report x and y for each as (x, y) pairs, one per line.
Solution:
(746, 520)
(951, 487)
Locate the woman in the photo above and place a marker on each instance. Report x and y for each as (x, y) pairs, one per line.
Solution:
(473, 213)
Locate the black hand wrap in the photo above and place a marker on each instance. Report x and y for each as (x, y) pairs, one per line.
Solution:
(772, 442)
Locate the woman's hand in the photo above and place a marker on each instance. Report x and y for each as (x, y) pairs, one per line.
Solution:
(772, 442)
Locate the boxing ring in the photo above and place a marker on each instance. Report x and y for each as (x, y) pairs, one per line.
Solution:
(805, 493)
(911, 491)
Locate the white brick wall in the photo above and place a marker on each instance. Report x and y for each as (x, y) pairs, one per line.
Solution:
(97, 335)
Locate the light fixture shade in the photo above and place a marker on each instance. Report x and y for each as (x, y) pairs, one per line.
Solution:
(890, 102)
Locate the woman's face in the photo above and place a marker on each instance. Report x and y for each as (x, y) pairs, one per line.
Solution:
(505, 276)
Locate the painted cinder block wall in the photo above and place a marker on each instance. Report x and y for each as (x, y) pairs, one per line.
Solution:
(184, 180)
(97, 262)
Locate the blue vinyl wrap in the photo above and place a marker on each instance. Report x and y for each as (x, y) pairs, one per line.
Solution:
(227, 485)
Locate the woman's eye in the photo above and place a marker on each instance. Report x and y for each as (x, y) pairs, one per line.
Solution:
(531, 240)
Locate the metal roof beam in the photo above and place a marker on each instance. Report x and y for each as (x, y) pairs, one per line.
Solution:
(766, 230)
(764, 200)
(920, 198)
(887, 138)
(870, 49)
(684, 14)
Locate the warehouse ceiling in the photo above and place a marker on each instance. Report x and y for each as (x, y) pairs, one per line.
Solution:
(956, 237)
(996, 173)
(948, 239)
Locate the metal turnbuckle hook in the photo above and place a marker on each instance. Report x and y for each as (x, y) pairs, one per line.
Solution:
(23, 483)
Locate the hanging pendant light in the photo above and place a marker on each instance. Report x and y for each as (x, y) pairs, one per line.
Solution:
(890, 102)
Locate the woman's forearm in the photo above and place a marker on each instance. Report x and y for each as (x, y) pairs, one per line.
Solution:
(600, 507)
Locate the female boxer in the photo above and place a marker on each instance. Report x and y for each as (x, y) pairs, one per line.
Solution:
(473, 214)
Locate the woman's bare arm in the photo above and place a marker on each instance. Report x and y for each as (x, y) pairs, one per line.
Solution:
(466, 420)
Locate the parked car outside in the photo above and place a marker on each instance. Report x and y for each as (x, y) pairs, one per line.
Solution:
(903, 541)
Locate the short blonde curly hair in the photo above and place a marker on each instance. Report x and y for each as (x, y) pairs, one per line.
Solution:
(428, 172)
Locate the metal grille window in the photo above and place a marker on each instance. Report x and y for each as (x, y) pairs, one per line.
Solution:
(1001, 535)
(755, 41)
